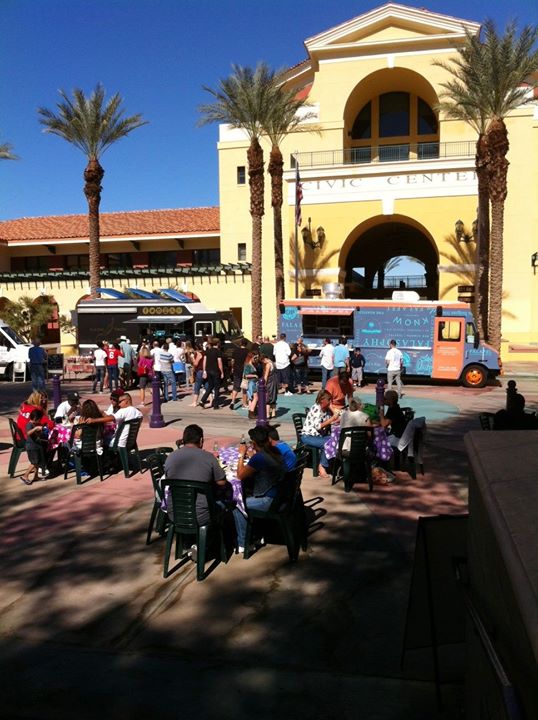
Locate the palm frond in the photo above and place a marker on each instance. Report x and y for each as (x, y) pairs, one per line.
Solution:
(6, 152)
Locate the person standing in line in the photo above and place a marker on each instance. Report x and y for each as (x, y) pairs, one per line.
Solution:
(299, 360)
(113, 355)
(267, 348)
(282, 352)
(126, 364)
(213, 372)
(144, 370)
(197, 361)
(341, 355)
(357, 362)
(38, 364)
(166, 361)
(394, 362)
(155, 352)
(326, 359)
(239, 356)
(99, 357)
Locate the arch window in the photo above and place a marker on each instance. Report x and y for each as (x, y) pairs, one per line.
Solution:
(392, 127)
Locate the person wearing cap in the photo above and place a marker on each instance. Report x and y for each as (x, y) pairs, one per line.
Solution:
(69, 409)
(114, 401)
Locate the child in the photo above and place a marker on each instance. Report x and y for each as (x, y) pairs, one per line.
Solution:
(33, 446)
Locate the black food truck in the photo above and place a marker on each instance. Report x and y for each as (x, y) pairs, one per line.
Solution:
(156, 319)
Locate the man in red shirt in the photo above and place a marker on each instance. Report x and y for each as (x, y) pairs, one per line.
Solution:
(340, 387)
(113, 353)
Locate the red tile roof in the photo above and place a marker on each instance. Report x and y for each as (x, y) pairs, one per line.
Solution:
(139, 222)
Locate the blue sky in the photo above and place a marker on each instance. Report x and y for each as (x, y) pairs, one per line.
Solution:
(158, 54)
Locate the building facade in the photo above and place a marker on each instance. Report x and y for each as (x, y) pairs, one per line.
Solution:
(384, 175)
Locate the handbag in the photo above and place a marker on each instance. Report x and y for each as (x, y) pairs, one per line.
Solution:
(178, 367)
(244, 384)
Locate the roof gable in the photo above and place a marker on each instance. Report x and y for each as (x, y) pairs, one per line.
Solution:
(389, 25)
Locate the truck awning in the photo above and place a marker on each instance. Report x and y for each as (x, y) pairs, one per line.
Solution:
(158, 320)
(326, 311)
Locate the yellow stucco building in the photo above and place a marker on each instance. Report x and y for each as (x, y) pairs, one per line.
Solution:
(384, 176)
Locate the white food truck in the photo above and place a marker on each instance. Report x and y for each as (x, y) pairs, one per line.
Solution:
(13, 352)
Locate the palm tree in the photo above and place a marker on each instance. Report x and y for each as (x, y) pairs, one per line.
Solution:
(5, 152)
(91, 126)
(282, 119)
(242, 100)
(499, 72)
(459, 102)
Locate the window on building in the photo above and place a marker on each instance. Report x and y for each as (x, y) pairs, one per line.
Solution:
(394, 114)
(77, 262)
(35, 262)
(241, 252)
(206, 257)
(119, 260)
(162, 259)
(241, 175)
(427, 120)
(362, 127)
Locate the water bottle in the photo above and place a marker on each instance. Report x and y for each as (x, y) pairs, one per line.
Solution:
(45, 433)
(216, 449)
(243, 440)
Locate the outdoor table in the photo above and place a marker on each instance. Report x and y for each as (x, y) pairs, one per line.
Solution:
(380, 441)
(59, 435)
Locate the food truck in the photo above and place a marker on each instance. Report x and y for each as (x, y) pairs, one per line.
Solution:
(153, 316)
(438, 339)
(13, 352)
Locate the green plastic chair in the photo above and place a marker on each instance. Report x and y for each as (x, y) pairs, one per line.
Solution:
(158, 520)
(286, 510)
(314, 452)
(19, 446)
(182, 498)
(353, 464)
(131, 447)
(89, 434)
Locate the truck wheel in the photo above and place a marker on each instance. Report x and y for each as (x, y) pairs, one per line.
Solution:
(474, 376)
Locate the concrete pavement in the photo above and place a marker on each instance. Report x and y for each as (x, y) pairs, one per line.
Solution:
(89, 627)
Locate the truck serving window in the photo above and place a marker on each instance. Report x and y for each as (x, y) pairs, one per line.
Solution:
(203, 328)
(327, 325)
(449, 331)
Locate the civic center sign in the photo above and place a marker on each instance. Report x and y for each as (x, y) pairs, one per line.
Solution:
(379, 187)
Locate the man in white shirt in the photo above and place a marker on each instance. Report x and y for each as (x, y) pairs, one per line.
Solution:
(155, 353)
(126, 412)
(100, 367)
(393, 361)
(282, 353)
(68, 409)
(326, 359)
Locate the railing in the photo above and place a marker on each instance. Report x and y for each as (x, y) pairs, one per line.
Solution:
(403, 282)
(406, 152)
(124, 272)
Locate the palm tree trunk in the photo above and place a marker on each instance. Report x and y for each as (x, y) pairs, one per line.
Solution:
(256, 183)
(483, 240)
(276, 171)
(93, 175)
(498, 189)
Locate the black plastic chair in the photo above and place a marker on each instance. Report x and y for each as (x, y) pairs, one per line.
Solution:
(19, 446)
(314, 452)
(486, 420)
(131, 447)
(353, 461)
(412, 456)
(182, 498)
(286, 510)
(409, 413)
(89, 435)
(158, 520)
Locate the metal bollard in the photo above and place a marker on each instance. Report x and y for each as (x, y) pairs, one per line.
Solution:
(156, 419)
(379, 392)
(511, 392)
(262, 403)
(56, 391)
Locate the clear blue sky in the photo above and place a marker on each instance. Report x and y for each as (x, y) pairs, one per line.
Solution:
(158, 54)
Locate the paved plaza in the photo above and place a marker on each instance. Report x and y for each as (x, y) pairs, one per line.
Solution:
(90, 628)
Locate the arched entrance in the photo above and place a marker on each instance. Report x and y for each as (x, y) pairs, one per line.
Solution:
(372, 272)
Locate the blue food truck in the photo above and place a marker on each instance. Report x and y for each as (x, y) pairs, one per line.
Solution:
(438, 339)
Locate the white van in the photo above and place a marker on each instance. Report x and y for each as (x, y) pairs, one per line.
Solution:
(13, 352)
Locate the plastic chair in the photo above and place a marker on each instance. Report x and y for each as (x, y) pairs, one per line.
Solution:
(353, 462)
(158, 520)
(409, 413)
(19, 446)
(87, 449)
(131, 447)
(287, 510)
(486, 420)
(314, 452)
(183, 494)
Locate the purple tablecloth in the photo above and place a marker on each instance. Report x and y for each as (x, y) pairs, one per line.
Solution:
(382, 446)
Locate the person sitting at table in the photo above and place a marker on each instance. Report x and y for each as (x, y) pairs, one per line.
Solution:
(515, 418)
(68, 410)
(126, 412)
(393, 419)
(265, 470)
(88, 410)
(289, 457)
(317, 428)
(191, 462)
(341, 389)
(354, 416)
(114, 401)
(37, 400)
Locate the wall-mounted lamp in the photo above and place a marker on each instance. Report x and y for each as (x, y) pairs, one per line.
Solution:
(534, 261)
(306, 232)
(461, 235)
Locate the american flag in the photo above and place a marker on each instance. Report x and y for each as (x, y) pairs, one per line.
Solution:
(298, 196)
